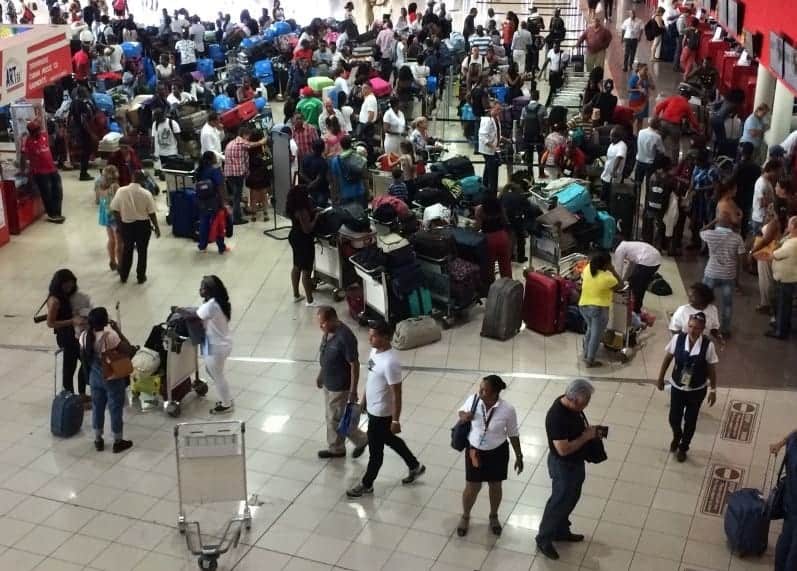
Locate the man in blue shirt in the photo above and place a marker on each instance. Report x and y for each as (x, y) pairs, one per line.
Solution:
(314, 173)
(348, 186)
(754, 128)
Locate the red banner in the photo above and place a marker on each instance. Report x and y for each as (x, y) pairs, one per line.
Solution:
(45, 69)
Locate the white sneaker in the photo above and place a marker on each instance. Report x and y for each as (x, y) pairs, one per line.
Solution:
(312, 304)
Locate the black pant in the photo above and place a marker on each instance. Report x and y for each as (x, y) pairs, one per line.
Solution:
(66, 340)
(51, 191)
(556, 79)
(685, 407)
(653, 230)
(385, 69)
(785, 297)
(378, 435)
(642, 173)
(567, 478)
(85, 153)
(639, 280)
(135, 235)
(630, 53)
(490, 178)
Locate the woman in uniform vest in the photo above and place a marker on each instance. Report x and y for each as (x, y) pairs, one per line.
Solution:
(694, 376)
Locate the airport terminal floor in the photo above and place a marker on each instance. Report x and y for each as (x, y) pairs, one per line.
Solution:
(66, 507)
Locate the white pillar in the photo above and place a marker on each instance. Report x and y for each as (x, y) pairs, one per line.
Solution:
(765, 87)
(782, 109)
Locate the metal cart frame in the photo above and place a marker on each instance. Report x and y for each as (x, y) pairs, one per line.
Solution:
(328, 265)
(438, 280)
(375, 289)
(209, 456)
(181, 364)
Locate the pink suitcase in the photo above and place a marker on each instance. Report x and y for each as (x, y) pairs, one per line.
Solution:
(380, 86)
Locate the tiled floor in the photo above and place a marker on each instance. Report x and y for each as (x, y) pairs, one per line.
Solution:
(64, 507)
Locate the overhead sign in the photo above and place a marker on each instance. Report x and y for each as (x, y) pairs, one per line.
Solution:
(30, 61)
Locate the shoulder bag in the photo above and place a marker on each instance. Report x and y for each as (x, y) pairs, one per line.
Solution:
(461, 430)
(116, 362)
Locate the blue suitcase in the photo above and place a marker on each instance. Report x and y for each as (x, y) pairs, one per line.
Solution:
(206, 68)
(264, 71)
(222, 103)
(216, 53)
(575, 198)
(66, 415)
(280, 29)
(184, 213)
(747, 522)
(104, 103)
(132, 50)
(608, 228)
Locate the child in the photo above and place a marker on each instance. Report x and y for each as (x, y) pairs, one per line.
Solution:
(397, 187)
(105, 187)
(407, 161)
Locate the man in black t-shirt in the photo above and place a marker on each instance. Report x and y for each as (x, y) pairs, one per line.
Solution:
(568, 433)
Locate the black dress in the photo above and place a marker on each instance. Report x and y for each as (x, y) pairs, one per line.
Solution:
(302, 246)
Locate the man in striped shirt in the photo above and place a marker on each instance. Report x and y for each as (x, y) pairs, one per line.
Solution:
(480, 40)
(725, 253)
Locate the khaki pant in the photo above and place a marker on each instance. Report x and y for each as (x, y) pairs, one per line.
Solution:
(594, 60)
(335, 405)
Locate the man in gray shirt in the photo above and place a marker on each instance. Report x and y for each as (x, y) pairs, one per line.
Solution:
(338, 377)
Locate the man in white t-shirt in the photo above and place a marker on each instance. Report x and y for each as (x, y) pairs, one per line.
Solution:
(382, 402)
(556, 62)
(615, 163)
(197, 33)
(632, 29)
(701, 298)
(763, 196)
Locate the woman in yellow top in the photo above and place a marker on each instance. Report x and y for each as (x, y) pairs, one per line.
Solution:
(599, 282)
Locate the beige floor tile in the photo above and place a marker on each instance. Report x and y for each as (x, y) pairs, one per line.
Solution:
(616, 536)
(643, 562)
(661, 545)
(603, 557)
(707, 555)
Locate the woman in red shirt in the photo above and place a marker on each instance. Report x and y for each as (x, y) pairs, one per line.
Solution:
(126, 161)
(39, 159)
(508, 29)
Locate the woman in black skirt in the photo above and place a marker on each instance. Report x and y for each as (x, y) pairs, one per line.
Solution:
(299, 208)
(493, 421)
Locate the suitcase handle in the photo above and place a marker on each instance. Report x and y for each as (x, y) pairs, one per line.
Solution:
(58, 352)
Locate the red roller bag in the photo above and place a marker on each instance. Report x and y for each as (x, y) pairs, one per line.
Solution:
(545, 303)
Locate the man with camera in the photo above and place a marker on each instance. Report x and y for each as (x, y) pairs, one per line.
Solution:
(571, 442)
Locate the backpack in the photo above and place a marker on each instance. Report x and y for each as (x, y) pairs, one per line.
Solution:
(692, 40)
(352, 166)
(532, 124)
(651, 30)
(207, 197)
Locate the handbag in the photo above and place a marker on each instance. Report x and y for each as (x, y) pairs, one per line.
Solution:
(117, 362)
(594, 450)
(461, 430)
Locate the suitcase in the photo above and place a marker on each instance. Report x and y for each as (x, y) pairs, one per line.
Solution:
(206, 68)
(264, 70)
(222, 103)
(747, 522)
(503, 314)
(181, 164)
(518, 104)
(472, 247)
(104, 103)
(216, 53)
(499, 93)
(544, 303)
(472, 188)
(381, 87)
(66, 415)
(419, 302)
(247, 110)
(621, 206)
(230, 118)
(458, 167)
(577, 60)
(434, 244)
(132, 50)
(318, 83)
(416, 332)
(355, 301)
(575, 198)
(183, 213)
(608, 228)
(465, 282)
(280, 29)
(193, 122)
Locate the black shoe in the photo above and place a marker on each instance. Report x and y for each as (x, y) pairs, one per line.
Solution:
(414, 474)
(357, 452)
(240, 222)
(99, 445)
(548, 550)
(570, 537)
(221, 409)
(324, 454)
(774, 335)
(359, 491)
(681, 456)
(121, 446)
(85, 176)
(141, 280)
(674, 444)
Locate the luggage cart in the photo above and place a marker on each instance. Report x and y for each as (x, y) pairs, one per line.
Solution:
(375, 290)
(621, 335)
(211, 468)
(438, 280)
(332, 265)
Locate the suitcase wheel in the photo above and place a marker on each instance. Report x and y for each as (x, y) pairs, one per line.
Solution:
(200, 388)
(173, 410)
(208, 563)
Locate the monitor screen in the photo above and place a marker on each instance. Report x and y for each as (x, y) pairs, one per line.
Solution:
(750, 43)
(733, 17)
(776, 45)
(790, 65)
(722, 12)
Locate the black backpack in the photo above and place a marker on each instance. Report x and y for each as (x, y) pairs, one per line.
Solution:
(533, 123)
(651, 30)
(692, 39)
(207, 197)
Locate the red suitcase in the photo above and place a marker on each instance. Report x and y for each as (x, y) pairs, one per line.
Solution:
(247, 110)
(705, 42)
(544, 303)
(230, 118)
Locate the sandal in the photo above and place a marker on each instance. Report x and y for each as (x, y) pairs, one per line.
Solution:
(495, 525)
(462, 527)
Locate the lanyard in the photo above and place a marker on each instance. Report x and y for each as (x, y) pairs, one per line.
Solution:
(487, 416)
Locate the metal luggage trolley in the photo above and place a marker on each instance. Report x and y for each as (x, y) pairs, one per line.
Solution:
(211, 468)
(375, 289)
(621, 336)
(182, 363)
(332, 265)
(438, 280)
(177, 180)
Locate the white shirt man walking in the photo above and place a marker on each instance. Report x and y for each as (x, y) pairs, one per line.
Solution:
(382, 401)
(134, 209)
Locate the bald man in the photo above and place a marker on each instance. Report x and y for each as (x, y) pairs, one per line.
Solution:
(784, 270)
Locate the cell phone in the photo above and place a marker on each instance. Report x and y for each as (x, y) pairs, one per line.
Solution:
(603, 431)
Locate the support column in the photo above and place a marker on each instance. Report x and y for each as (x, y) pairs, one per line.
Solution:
(765, 87)
(782, 109)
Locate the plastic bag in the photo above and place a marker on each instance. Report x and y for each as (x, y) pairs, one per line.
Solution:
(349, 420)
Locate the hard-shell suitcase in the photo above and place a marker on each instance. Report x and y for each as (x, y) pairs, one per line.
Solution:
(264, 71)
(747, 522)
(503, 314)
(193, 122)
(544, 303)
(230, 118)
(380, 86)
(608, 228)
(66, 414)
(216, 53)
(518, 104)
(621, 206)
(183, 213)
(247, 110)
(318, 83)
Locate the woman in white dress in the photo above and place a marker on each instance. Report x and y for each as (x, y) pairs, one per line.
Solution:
(393, 125)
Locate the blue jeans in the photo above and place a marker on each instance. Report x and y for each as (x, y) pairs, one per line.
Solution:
(567, 477)
(205, 220)
(106, 393)
(723, 292)
(786, 549)
(783, 312)
(597, 318)
(235, 190)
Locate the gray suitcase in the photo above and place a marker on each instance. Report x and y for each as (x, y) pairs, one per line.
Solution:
(504, 312)
(193, 122)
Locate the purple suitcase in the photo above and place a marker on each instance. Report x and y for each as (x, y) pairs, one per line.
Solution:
(518, 104)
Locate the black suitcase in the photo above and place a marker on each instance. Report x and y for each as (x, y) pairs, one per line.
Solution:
(429, 196)
(622, 207)
(557, 115)
(177, 163)
(434, 244)
(459, 167)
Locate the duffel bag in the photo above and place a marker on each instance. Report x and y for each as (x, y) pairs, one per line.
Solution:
(434, 244)
(459, 167)
(416, 332)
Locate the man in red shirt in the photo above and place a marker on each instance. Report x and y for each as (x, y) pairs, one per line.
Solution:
(126, 161)
(570, 159)
(304, 135)
(81, 65)
(673, 111)
(37, 156)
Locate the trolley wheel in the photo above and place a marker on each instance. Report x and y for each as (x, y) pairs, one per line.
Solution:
(201, 388)
(446, 322)
(338, 294)
(173, 409)
(207, 563)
